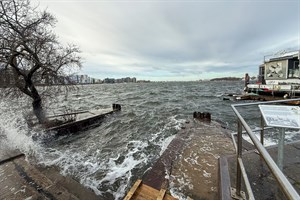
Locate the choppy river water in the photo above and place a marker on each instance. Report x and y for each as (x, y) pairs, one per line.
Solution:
(109, 158)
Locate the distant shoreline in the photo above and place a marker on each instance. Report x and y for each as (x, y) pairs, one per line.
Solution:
(226, 79)
(138, 82)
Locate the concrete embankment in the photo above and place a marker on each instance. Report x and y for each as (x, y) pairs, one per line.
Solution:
(21, 180)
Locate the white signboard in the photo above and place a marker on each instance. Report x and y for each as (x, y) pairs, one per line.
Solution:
(281, 116)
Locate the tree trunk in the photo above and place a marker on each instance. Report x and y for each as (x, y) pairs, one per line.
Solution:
(38, 110)
(37, 102)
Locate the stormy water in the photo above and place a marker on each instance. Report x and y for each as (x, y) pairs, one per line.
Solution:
(109, 158)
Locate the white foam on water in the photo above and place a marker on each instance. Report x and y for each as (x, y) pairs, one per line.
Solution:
(176, 123)
(177, 192)
(86, 168)
(123, 171)
(267, 141)
(166, 143)
(289, 136)
(15, 131)
(75, 164)
(163, 142)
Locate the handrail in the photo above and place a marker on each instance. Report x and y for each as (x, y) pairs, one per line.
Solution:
(255, 130)
(283, 182)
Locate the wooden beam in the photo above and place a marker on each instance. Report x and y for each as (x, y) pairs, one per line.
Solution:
(161, 194)
(133, 189)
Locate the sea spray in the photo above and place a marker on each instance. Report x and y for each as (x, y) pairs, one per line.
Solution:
(14, 130)
(119, 169)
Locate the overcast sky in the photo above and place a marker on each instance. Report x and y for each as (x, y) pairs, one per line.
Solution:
(176, 40)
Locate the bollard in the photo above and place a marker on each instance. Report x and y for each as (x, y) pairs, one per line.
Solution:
(116, 107)
(202, 116)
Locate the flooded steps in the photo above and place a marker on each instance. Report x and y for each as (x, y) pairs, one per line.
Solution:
(198, 165)
(141, 191)
(21, 180)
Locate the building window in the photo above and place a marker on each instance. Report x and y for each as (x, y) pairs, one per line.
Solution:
(293, 69)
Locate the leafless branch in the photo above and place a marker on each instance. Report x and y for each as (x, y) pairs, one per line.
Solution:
(30, 52)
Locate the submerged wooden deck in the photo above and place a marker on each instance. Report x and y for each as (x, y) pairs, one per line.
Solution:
(82, 120)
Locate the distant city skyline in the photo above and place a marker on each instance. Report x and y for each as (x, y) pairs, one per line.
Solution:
(86, 79)
(176, 40)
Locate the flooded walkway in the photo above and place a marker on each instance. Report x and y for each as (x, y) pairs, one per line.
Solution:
(200, 163)
(189, 167)
(21, 180)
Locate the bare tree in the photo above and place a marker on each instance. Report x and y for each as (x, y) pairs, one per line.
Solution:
(30, 51)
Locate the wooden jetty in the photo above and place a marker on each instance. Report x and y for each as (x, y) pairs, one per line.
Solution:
(82, 120)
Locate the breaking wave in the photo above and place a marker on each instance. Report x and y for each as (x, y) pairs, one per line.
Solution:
(14, 130)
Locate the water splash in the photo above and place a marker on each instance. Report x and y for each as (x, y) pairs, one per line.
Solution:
(15, 131)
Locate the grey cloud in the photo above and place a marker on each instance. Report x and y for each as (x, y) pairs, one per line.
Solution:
(177, 37)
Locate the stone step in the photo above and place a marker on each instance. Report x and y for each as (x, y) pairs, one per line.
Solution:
(21, 180)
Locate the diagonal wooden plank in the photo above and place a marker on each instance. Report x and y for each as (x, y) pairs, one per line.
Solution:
(161, 194)
(133, 189)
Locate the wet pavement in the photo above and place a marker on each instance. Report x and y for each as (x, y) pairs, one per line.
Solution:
(21, 180)
(263, 183)
(189, 166)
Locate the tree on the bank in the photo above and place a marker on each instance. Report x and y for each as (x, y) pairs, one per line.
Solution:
(30, 51)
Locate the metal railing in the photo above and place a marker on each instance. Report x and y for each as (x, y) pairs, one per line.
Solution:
(282, 181)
